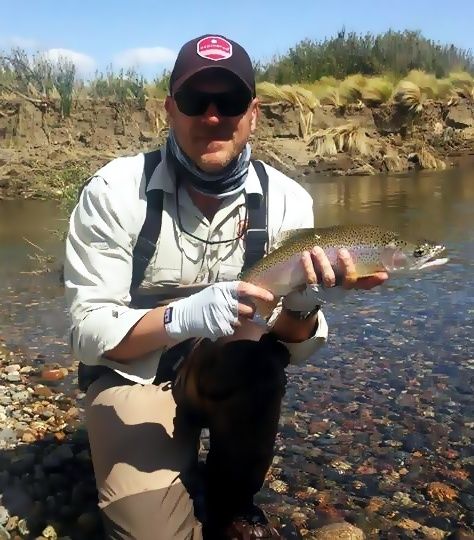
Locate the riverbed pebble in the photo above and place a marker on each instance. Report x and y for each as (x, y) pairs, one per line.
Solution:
(383, 443)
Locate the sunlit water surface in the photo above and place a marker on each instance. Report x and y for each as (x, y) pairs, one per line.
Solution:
(430, 312)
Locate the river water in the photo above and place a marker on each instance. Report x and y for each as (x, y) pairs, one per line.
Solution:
(435, 205)
(432, 310)
(385, 410)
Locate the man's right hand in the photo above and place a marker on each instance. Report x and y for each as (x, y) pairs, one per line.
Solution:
(213, 312)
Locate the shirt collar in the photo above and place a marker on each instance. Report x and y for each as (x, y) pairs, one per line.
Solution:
(163, 177)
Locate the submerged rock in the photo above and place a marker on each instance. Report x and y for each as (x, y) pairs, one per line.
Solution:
(338, 531)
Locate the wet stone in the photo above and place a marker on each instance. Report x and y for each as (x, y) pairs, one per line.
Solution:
(4, 515)
(23, 527)
(49, 533)
(21, 396)
(413, 441)
(402, 499)
(467, 500)
(12, 523)
(338, 531)
(12, 368)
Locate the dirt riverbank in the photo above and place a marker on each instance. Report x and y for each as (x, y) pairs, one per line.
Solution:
(36, 144)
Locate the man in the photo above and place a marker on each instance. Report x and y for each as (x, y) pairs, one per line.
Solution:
(163, 357)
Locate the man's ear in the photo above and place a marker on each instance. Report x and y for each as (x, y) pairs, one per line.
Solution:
(255, 113)
(169, 107)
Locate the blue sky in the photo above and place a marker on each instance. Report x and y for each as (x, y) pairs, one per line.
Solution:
(148, 34)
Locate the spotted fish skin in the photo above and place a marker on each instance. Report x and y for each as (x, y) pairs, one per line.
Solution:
(372, 248)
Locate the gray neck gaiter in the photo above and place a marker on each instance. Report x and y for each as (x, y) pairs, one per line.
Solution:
(225, 183)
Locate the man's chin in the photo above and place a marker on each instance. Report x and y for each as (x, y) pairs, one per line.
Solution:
(212, 162)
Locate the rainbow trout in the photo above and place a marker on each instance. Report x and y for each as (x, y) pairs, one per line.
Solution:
(372, 248)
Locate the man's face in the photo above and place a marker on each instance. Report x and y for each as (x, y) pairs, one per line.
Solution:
(212, 140)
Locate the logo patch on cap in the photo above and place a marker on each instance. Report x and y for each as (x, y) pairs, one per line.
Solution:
(214, 48)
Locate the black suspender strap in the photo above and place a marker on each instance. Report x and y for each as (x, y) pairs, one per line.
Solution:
(256, 235)
(257, 229)
(148, 237)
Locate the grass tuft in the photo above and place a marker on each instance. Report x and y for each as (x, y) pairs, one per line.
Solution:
(377, 90)
(426, 82)
(350, 89)
(426, 160)
(463, 83)
(345, 138)
(407, 97)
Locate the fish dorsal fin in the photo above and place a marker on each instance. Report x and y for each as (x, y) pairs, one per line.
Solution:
(283, 236)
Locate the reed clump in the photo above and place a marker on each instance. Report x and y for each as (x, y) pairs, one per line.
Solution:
(38, 78)
(347, 69)
(348, 138)
(426, 160)
(377, 90)
(408, 97)
(301, 98)
(294, 94)
(462, 83)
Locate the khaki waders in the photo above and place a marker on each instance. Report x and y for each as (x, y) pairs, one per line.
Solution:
(145, 438)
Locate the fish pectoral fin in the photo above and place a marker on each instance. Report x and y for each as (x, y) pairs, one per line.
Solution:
(351, 279)
(265, 309)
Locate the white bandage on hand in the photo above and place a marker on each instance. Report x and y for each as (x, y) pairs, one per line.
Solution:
(211, 313)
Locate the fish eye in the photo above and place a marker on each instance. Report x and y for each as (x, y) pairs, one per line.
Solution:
(419, 252)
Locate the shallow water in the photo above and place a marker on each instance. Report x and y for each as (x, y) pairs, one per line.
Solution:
(436, 205)
(386, 408)
(431, 310)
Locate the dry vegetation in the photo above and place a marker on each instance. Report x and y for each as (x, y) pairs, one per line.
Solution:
(408, 92)
(338, 78)
(407, 95)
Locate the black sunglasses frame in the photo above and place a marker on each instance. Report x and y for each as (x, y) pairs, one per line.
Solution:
(195, 102)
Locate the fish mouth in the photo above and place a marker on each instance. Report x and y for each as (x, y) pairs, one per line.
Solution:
(435, 259)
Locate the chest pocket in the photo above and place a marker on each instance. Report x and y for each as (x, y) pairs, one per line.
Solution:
(230, 266)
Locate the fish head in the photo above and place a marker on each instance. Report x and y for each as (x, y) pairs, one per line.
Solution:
(401, 255)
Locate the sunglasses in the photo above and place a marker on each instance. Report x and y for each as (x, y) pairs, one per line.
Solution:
(194, 103)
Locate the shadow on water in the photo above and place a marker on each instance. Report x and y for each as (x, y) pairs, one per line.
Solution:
(50, 484)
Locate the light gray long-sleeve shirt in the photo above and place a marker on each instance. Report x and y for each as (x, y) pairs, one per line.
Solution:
(104, 228)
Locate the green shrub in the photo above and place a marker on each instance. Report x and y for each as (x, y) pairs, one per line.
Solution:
(121, 86)
(349, 53)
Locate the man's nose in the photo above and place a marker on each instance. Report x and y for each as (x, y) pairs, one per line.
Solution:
(211, 115)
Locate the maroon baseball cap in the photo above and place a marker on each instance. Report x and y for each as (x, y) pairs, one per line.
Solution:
(210, 52)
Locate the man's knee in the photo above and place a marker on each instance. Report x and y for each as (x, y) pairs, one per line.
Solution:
(139, 440)
(158, 514)
(249, 367)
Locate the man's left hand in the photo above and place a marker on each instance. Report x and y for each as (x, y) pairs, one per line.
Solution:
(316, 264)
(319, 271)
(366, 283)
